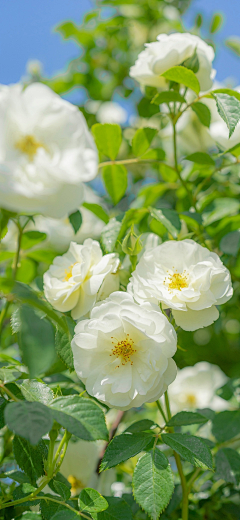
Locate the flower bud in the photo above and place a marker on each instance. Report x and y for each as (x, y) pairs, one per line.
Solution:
(132, 244)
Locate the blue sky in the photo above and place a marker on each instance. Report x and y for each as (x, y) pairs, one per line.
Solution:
(27, 33)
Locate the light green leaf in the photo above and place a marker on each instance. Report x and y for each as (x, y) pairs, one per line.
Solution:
(110, 234)
(200, 158)
(123, 447)
(226, 425)
(219, 209)
(31, 238)
(117, 509)
(29, 515)
(227, 91)
(169, 218)
(216, 23)
(233, 43)
(42, 255)
(234, 150)
(108, 139)
(203, 113)
(97, 210)
(30, 458)
(154, 154)
(229, 110)
(228, 466)
(33, 390)
(185, 418)
(115, 180)
(168, 97)
(9, 374)
(26, 271)
(183, 76)
(80, 416)
(230, 243)
(142, 140)
(132, 216)
(193, 449)
(75, 220)
(153, 483)
(168, 173)
(29, 420)
(91, 501)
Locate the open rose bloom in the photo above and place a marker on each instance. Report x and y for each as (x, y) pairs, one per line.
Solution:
(185, 277)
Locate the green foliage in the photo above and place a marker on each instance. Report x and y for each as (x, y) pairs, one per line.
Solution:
(226, 425)
(115, 180)
(230, 243)
(169, 219)
(75, 220)
(185, 418)
(117, 509)
(124, 447)
(229, 110)
(60, 485)
(200, 158)
(233, 43)
(216, 22)
(49, 509)
(30, 420)
(168, 97)
(33, 390)
(97, 210)
(183, 76)
(228, 465)
(32, 238)
(110, 234)
(142, 140)
(108, 139)
(203, 113)
(30, 458)
(193, 449)
(63, 345)
(91, 501)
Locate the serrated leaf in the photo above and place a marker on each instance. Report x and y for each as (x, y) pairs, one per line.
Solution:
(30, 458)
(216, 22)
(91, 501)
(63, 348)
(18, 476)
(97, 210)
(185, 418)
(200, 158)
(169, 218)
(75, 220)
(33, 390)
(108, 139)
(30, 515)
(203, 113)
(9, 374)
(233, 43)
(226, 425)
(230, 243)
(153, 483)
(193, 449)
(168, 97)
(229, 109)
(115, 180)
(141, 426)
(183, 76)
(228, 465)
(23, 491)
(123, 447)
(49, 509)
(32, 238)
(80, 416)
(117, 509)
(110, 234)
(142, 140)
(61, 489)
(29, 420)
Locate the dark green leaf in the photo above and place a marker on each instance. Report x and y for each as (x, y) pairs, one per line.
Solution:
(117, 509)
(80, 416)
(75, 220)
(141, 426)
(30, 458)
(115, 180)
(9, 374)
(97, 210)
(230, 243)
(185, 418)
(31, 238)
(60, 485)
(191, 448)
(3, 403)
(230, 389)
(203, 113)
(169, 218)
(63, 347)
(200, 158)
(91, 501)
(168, 97)
(123, 447)
(216, 23)
(142, 140)
(108, 139)
(35, 391)
(132, 216)
(228, 465)
(184, 76)
(18, 476)
(29, 420)
(153, 483)
(50, 509)
(65, 514)
(229, 110)
(23, 491)
(110, 234)
(233, 43)
(226, 425)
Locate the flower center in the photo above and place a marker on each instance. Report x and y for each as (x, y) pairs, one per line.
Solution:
(68, 273)
(76, 484)
(191, 399)
(29, 145)
(177, 281)
(123, 350)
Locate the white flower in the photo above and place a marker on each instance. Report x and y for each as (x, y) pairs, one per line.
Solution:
(169, 51)
(194, 387)
(111, 112)
(123, 353)
(74, 280)
(184, 277)
(46, 152)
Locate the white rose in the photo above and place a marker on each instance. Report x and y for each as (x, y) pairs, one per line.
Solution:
(184, 277)
(46, 152)
(194, 387)
(169, 51)
(123, 353)
(111, 112)
(74, 280)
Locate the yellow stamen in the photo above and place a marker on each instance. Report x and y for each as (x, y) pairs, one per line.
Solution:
(177, 281)
(68, 273)
(29, 145)
(76, 484)
(123, 350)
(191, 400)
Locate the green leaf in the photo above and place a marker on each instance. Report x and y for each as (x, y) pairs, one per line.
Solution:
(29, 420)
(228, 466)
(216, 23)
(229, 109)
(80, 416)
(60, 485)
(184, 76)
(75, 220)
(226, 425)
(29, 515)
(36, 341)
(23, 491)
(123, 447)
(115, 180)
(169, 218)
(141, 426)
(33, 390)
(18, 476)
(233, 43)
(42, 255)
(9, 374)
(63, 347)
(3, 403)
(230, 389)
(65, 514)
(97, 210)
(91, 501)
(219, 209)
(30, 458)
(168, 97)
(132, 216)
(108, 139)
(32, 238)
(200, 158)
(142, 140)
(26, 271)
(168, 173)
(193, 449)
(234, 150)
(153, 483)
(185, 418)
(227, 91)
(203, 113)
(110, 234)
(154, 154)
(230, 243)
(50, 509)
(117, 509)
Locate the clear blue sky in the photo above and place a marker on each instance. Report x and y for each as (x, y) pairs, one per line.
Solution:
(26, 32)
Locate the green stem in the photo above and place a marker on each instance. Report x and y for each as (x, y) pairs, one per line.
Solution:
(64, 441)
(193, 478)
(184, 184)
(167, 403)
(8, 392)
(161, 411)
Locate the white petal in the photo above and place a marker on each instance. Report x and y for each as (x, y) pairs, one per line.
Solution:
(193, 320)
